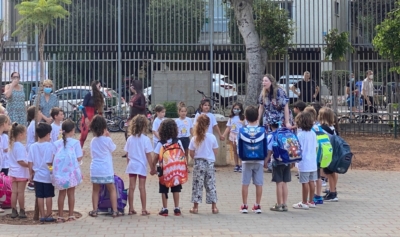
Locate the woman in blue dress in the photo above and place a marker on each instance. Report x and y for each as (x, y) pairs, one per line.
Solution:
(14, 92)
(47, 101)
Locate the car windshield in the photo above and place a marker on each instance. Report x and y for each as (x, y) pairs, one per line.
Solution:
(291, 81)
(226, 79)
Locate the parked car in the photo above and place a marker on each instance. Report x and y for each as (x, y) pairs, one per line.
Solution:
(223, 89)
(293, 79)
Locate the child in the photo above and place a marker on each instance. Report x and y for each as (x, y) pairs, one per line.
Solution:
(101, 167)
(326, 118)
(234, 124)
(4, 149)
(160, 114)
(252, 169)
(30, 135)
(308, 165)
(18, 172)
(4, 124)
(205, 106)
(280, 175)
(168, 132)
(40, 156)
(203, 148)
(184, 128)
(138, 148)
(76, 154)
(58, 116)
(299, 107)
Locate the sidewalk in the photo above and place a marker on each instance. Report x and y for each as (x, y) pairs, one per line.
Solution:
(368, 206)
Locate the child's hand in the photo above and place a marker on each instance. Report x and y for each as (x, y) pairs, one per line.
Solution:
(222, 138)
(153, 172)
(106, 133)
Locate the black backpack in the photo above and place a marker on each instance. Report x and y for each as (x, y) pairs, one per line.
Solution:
(341, 157)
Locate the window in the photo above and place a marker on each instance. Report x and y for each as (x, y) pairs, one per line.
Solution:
(337, 8)
(289, 8)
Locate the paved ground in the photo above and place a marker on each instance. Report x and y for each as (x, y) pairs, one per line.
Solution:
(368, 206)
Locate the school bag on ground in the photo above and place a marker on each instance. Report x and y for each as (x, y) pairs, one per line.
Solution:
(172, 162)
(252, 143)
(341, 156)
(285, 146)
(104, 196)
(324, 151)
(66, 171)
(5, 191)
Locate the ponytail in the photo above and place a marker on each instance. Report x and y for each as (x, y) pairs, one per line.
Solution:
(16, 129)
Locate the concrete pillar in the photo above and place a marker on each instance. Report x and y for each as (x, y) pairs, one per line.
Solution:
(221, 159)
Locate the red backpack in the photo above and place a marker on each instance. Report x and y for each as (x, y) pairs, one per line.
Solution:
(173, 164)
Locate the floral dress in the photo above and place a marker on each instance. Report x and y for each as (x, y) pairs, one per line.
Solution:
(16, 106)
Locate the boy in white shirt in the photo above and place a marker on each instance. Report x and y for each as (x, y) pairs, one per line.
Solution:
(308, 165)
(58, 116)
(40, 156)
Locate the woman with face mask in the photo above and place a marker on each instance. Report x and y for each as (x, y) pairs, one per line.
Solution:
(47, 100)
(14, 92)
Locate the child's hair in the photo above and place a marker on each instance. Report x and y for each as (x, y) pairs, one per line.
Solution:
(55, 111)
(202, 103)
(304, 121)
(317, 107)
(67, 126)
(336, 123)
(159, 108)
(98, 125)
(300, 105)
(311, 110)
(31, 114)
(138, 125)
(168, 130)
(181, 105)
(326, 116)
(200, 129)
(16, 129)
(241, 113)
(251, 114)
(3, 119)
(43, 129)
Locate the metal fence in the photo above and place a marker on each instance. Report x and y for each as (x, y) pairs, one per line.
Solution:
(115, 41)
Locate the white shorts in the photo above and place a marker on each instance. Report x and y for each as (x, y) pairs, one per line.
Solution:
(306, 177)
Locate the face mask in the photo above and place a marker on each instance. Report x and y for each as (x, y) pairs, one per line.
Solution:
(47, 90)
(236, 111)
(371, 76)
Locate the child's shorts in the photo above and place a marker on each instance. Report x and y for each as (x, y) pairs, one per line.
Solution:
(44, 190)
(14, 179)
(306, 177)
(328, 171)
(165, 189)
(281, 173)
(253, 171)
(233, 137)
(102, 180)
(136, 175)
(185, 142)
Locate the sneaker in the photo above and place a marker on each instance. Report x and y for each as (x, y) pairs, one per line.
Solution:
(177, 211)
(276, 207)
(301, 205)
(243, 209)
(257, 209)
(31, 186)
(236, 169)
(285, 207)
(14, 213)
(240, 169)
(318, 200)
(324, 183)
(22, 214)
(163, 212)
(331, 197)
(311, 205)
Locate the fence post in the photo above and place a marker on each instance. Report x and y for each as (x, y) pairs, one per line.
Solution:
(395, 127)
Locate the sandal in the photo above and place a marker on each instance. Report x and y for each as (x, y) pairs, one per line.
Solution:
(116, 214)
(49, 219)
(145, 213)
(194, 210)
(60, 220)
(71, 218)
(215, 211)
(93, 213)
(133, 212)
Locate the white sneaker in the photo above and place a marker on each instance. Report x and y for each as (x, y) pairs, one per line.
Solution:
(257, 209)
(301, 205)
(243, 209)
(324, 183)
(311, 205)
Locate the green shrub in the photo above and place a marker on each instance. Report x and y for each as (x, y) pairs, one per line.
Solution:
(171, 109)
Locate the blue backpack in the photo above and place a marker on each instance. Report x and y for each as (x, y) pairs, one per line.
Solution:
(285, 146)
(341, 156)
(252, 144)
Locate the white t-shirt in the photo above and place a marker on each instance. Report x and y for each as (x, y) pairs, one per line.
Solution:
(156, 125)
(75, 144)
(309, 146)
(101, 149)
(4, 141)
(41, 153)
(56, 132)
(18, 153)
(253, 161)
(159, 145)
(205, 149)
(30, 135)
(137, 148)
(184, 126)
(235, 124)
(213, 121)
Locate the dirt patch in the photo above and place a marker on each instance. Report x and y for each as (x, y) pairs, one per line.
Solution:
(375, 153)
(6, 219)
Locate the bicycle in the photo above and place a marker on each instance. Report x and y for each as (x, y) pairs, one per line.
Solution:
(112, 121)
(123, 125)
(367, 117)
(216, 107)
(76, 115)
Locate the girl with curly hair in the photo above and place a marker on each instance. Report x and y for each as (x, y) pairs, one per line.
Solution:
(203, 149)
(138, 148)
(93, 103)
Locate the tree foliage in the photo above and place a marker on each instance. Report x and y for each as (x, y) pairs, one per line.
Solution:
(337, 45)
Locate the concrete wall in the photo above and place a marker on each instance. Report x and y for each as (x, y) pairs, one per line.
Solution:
(180, 86)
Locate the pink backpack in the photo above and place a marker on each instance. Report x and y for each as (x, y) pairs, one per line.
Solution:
(5, 191)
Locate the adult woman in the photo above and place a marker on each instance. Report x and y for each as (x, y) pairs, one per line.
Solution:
(273, 103)
(47, 100)
(15, 94)
(93, 103)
